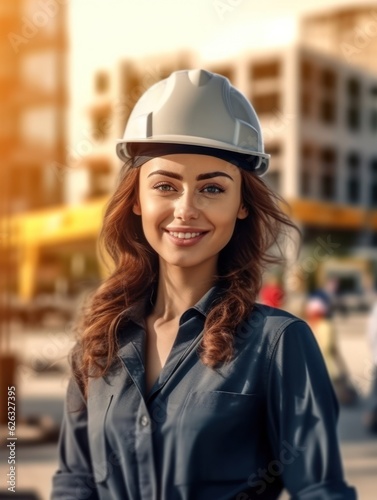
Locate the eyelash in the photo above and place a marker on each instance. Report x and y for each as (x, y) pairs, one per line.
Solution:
(162, 185)
(213, 186)
(171, 188)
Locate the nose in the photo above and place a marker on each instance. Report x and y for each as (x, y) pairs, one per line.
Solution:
(186, 208)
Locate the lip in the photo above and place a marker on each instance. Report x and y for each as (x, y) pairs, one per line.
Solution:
(185, 229)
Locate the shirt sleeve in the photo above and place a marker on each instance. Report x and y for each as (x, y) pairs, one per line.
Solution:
(74, 478)
(302, 419)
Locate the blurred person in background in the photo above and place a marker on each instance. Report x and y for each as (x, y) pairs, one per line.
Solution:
(328, 295)
(370, 417)
(183, 386)
(317, 316)
(272, 292)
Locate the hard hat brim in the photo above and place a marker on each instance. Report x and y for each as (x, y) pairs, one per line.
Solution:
(258, 168)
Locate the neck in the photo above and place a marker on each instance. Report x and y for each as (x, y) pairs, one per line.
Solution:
(179, 289)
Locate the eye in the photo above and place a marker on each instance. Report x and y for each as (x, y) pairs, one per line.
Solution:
(163, 186)
(213, 189)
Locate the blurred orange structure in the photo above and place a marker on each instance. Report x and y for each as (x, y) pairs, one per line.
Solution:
(33, 83)
(34, 94)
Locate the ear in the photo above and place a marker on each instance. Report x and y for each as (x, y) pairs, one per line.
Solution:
(242, 212)
(136, 208)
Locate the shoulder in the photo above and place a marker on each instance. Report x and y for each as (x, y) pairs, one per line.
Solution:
(272, 338)
(271, 319)
(268, 325)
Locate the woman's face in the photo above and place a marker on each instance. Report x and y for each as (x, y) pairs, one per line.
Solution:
(189, 205)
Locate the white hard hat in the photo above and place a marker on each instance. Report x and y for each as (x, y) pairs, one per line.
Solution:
(316, 305)
(200, 110)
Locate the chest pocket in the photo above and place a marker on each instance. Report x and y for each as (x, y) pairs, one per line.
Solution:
(98, 408)
(216, 438)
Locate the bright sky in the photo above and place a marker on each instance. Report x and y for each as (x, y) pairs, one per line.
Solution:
(104, 31)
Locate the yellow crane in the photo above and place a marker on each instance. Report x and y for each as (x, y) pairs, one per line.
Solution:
(28, 233)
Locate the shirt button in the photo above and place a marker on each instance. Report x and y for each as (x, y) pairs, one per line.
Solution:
(144, 421)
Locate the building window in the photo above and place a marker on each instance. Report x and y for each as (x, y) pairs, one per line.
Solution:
(353, 118)
(353, 178)
(101, 82)
(19, 192)
(353, 89)
(327, 111)
(327, 184)
(307, 171)
(318, 98)
(353, 112)
(308, 91)
(373, 111)
(100, 179)
(328, 96)
(328, 79)
(373, 183)
(260, 71)
(39, 125)
(307, 71)
(306, 104)
(101, 125)
(266, 103)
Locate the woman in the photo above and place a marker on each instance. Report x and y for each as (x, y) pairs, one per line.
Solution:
(184, 387)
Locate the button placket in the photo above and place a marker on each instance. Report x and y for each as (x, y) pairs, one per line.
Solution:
(144, 454)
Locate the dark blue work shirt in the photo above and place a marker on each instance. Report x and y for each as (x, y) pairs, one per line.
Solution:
(264, 421)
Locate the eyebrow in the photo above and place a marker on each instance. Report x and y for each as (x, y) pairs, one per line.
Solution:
(200, 177)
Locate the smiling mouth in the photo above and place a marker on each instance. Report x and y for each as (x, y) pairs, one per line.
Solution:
(184, 236)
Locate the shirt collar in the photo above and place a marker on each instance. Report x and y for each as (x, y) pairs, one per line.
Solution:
(139, 311)
(205, 304)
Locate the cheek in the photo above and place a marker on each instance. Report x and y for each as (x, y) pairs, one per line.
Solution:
(154, 210)
(147, 205)
(227, 214)
(224, 225)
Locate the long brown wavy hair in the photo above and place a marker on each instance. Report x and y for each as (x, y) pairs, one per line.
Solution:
(135, 272)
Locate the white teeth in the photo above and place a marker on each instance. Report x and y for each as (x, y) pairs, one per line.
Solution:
(185, 236)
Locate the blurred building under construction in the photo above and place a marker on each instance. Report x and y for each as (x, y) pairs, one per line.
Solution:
(317, 102)
(33, 84)
(33, 87)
